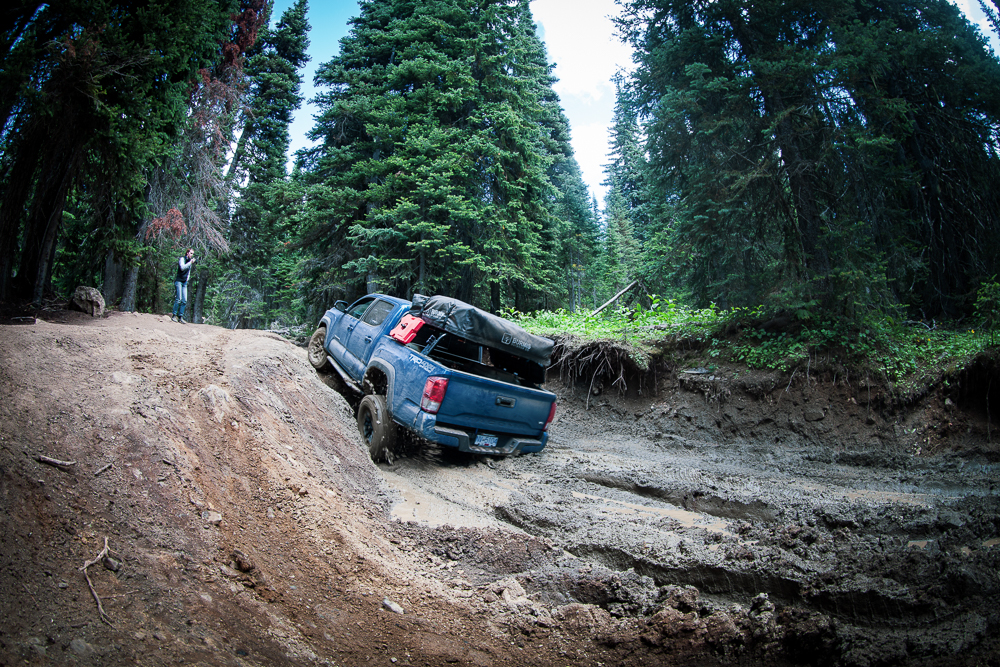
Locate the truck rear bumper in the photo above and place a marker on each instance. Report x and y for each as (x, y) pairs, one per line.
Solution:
(427, 427)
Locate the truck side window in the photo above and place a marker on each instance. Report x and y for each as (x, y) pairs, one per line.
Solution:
(358, 309)
(377, 313)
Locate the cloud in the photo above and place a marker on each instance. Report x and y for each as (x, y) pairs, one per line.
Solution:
(583, 44)
(590, 146)
(975, 14)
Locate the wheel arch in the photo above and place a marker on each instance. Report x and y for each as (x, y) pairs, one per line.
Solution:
(379, 379)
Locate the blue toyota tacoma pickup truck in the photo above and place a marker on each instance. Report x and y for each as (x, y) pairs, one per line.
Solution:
(445, 370)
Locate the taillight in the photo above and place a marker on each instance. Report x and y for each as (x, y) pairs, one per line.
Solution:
(552, 415)
(434, 390)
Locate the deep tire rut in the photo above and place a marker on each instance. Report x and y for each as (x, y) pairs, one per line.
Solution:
(879, 542)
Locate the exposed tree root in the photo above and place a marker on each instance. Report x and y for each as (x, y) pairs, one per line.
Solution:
(601, 364)
(100, 607)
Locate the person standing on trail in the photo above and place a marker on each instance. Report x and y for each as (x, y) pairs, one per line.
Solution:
(184, 264)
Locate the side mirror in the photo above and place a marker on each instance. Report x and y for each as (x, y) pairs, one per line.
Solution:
(341, 306)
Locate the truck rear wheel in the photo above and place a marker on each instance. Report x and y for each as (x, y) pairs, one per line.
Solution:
(376, 426)
(317, 353)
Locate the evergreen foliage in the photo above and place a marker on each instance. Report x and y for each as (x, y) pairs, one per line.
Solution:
(92, 95)
(444, 165)
(626, 223)
(830, 160)
(823, 158)
(256, 285)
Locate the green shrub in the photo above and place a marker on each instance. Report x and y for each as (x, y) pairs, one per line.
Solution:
(988, 312)
(903, 352)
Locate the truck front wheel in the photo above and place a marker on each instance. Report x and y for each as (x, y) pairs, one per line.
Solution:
(376, 426)
(317, 353)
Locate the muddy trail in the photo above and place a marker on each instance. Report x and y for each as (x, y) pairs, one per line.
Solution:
(724, 518)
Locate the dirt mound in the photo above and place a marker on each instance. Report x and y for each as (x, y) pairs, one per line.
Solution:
(245, 523)
(244, 519)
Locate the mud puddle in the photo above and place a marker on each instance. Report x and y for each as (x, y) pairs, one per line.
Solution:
(896, 562)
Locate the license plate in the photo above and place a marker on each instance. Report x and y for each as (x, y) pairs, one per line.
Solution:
(486, 440)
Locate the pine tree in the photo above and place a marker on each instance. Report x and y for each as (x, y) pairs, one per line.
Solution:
(115, 78)
(434, 174)
(620, 257)
(190, 178)
(627, 167)
(253, 289)
(569, 232)
(813, 154)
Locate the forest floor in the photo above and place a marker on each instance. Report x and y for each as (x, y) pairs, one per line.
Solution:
(712, 517)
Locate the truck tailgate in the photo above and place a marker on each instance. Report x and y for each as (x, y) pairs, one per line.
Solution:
(483, 404)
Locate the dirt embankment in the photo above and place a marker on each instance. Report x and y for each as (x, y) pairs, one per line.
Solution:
(246, 525)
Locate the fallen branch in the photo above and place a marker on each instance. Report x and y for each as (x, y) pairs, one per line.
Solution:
(930, 327)
(660, 327)
(103, 468)
(100, 608)
(29, 593)
(615, 298)
(55, 462)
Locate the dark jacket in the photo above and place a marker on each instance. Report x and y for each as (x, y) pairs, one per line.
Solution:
(183, 269)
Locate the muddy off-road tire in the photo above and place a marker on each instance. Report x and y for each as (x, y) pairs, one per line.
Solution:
(376, 426)
(317, 354)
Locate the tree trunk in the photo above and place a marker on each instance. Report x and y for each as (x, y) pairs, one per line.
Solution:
(59, 168)
(792, 140)
(114, 280)
(422, 274)
(46, 254)
(130, 287)
(495, 298)
(128, 304)
(198, 315)
(801, 186)
(16, 198)
(464, 288)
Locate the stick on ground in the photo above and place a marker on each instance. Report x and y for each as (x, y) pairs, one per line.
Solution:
(55, 462)
(100, 608)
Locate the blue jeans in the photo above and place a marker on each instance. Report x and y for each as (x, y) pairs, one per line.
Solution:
(181, 299)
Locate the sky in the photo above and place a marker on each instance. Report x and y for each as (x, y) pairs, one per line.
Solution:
(582, 43)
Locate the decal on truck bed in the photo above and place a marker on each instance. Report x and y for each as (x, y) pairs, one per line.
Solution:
(414, 359)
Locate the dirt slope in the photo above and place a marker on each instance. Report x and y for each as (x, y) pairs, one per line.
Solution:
(246, 525)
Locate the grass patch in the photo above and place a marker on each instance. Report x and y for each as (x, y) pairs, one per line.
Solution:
(904, 354)
(640, 330)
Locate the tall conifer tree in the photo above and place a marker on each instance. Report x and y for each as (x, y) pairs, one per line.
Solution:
(116, 79)
(257, 285)
(433, 173)
(817, 153)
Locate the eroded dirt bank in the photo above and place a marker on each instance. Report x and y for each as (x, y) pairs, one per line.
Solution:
(723, 520)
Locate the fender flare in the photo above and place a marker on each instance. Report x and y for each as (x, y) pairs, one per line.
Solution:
(390, 374)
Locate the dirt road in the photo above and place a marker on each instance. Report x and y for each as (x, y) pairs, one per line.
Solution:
(724, 520)
(869, 556)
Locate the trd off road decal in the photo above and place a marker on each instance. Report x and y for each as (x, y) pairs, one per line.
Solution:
(414, 359)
